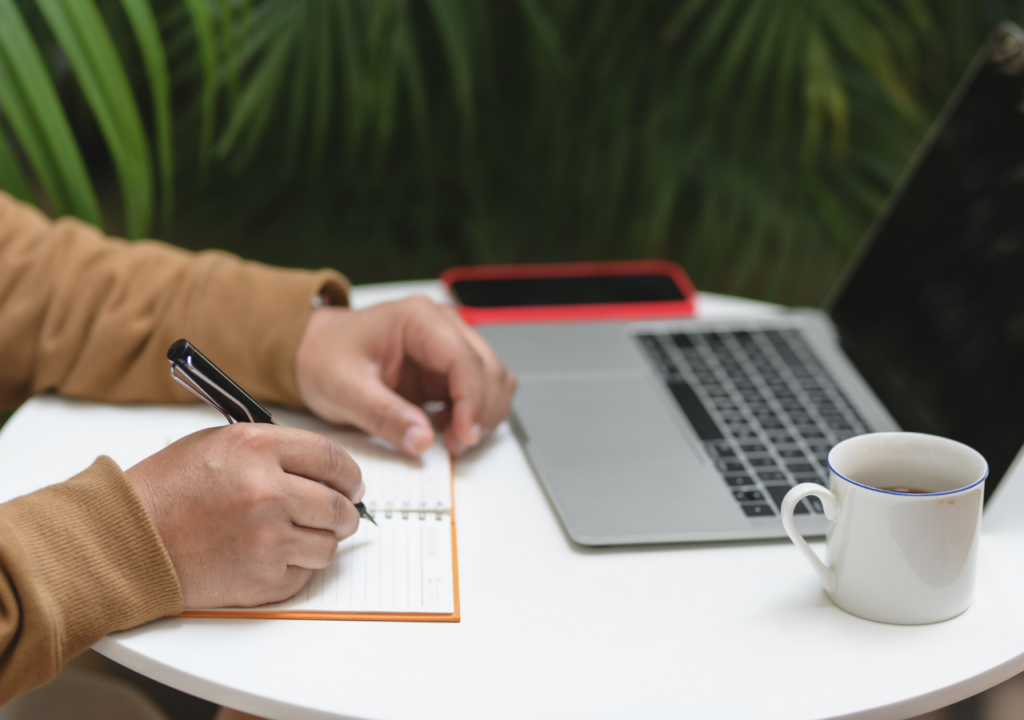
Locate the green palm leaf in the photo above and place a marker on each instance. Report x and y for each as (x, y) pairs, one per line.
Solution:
(202, 24)
(83, 36)
(147, 35)
(29, 101)
(12, 179)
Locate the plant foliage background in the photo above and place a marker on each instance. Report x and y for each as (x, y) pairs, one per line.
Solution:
(751, 140)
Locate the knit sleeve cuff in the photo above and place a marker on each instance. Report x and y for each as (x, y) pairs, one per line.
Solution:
(268, 309)
(96, 557)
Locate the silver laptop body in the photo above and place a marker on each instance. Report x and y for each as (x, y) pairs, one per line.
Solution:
(692, 430)
(623, 461)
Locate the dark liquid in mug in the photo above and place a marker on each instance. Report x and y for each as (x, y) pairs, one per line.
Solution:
(905, 490)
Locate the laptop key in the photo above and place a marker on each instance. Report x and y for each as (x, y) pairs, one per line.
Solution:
(721, 451)
(810, 479)
(771, 476)
(748, 495)
(759, 510)
(695, 412)
(739, 480)
(778, 492)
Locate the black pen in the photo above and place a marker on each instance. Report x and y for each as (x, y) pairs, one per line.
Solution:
(209, 383)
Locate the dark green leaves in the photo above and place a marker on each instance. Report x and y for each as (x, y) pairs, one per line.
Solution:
(30, 106)
(752, 140)
(82, 35)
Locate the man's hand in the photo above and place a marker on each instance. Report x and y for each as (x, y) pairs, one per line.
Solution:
(248, 511)
(374, 368)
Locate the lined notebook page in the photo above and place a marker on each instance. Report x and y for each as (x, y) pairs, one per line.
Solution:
(404, 565)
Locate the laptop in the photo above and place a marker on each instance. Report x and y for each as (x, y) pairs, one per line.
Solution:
(693, 430)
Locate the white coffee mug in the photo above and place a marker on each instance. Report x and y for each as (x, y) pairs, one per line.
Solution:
(906, 558)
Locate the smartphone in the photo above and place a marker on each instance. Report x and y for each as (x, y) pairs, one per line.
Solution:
(554, 292)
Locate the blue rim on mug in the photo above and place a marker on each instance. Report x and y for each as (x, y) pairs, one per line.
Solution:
(984, 475)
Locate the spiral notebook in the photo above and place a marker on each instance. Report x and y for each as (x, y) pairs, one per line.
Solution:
(403, 569)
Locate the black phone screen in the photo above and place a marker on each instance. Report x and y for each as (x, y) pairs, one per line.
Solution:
(517, 292)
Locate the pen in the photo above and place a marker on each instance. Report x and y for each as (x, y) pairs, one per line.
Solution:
(202, 378)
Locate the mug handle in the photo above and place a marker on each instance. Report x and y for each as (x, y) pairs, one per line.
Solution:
(826, 574)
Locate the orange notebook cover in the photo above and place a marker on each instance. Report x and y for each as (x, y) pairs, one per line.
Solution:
(405, 568)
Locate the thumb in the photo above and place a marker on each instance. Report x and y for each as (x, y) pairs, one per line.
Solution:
(377, 409)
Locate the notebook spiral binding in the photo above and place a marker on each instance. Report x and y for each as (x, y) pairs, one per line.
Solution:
(423, 511)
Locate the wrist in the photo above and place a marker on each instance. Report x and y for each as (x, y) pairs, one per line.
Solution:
(313, 356)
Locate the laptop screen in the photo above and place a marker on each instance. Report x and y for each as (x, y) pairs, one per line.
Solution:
(933, 313)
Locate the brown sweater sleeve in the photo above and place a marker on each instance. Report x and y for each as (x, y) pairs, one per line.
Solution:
(78, 560)
(92, 317)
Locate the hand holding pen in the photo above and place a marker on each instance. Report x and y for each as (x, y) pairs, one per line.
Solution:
(246, 512)
(201, 377)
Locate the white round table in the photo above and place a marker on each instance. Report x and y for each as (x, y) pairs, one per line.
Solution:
(551, 629)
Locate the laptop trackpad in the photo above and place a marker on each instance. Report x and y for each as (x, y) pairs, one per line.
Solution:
(619, 460)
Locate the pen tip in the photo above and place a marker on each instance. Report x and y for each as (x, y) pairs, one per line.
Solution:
(364, 513)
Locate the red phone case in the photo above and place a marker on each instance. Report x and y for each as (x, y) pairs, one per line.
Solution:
(591, 311)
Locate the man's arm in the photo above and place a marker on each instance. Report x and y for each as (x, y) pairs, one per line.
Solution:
(92, 317)
(78, 560)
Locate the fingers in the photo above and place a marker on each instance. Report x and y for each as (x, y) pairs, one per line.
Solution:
(315, 457)
(479, 384)
(310, 549)
(498, 380)
(371, 368)
(380, 411)
(468, 389)
(317, 507)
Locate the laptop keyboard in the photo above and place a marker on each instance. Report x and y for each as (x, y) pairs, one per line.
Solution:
(765, 408)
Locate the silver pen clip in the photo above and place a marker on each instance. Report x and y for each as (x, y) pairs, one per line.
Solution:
(181, 376)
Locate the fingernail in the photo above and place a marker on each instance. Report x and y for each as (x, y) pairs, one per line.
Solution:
(416, 440)
(474, 434)
(458, 448)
